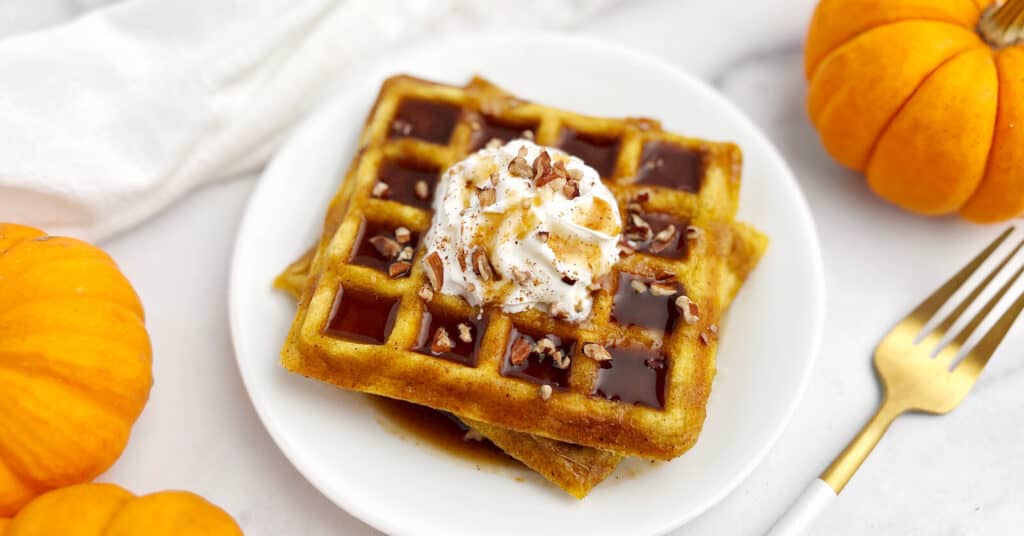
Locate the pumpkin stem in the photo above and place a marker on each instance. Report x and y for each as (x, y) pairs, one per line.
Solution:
(1002, 24)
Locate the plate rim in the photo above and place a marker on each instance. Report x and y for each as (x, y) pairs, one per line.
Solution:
(373, 516)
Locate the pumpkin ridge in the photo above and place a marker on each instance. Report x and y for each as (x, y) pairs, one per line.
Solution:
(992, 145)
(118, 405)
(889, 122)
(810, 75)
(112, 443)
(102, 302)
(114, 404)
(76, 248)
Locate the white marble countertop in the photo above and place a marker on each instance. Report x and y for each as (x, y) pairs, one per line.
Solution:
(955, 475)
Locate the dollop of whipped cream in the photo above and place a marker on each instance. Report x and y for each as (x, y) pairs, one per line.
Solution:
(523, 226)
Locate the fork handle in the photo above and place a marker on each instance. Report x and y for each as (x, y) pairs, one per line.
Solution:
(802, 513)
(823, 490)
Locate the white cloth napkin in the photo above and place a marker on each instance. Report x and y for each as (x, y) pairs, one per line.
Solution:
(107, 120)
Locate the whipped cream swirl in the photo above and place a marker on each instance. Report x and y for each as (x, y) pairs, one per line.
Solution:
(509, 235)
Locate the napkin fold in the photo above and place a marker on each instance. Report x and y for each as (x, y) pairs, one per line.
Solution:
(108, 119)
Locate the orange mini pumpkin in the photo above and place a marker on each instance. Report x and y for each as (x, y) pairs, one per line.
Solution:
(109, 510)
(75, 369)
(926, 97)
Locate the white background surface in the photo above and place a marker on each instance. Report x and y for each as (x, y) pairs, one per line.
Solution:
(953, 475)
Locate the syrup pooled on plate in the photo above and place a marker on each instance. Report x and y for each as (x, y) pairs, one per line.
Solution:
(440, 429)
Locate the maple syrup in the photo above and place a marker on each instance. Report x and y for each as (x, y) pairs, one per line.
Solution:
(644, 309)
(462, 351)
(361, 316)
(492, 129)
(364, 253)
(402, 177)
(598, 153)
(429, 121)
(677, 247)
(441, 430)
(672, 166)
(634, 375)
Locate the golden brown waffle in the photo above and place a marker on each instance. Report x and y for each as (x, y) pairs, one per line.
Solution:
(573, 468)
(641, 164)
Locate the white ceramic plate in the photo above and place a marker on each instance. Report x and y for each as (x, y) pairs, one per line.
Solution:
(335, 438)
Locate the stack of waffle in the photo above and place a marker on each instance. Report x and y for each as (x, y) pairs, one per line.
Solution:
(638, 371)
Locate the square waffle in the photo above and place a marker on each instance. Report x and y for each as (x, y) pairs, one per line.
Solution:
(573, 468)
(649, 400)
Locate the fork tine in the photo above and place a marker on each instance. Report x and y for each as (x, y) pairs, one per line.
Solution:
(933, 338)
(927, 309)
(978, 357)
(949, 352)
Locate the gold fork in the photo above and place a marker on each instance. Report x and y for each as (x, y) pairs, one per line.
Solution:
(917, 376)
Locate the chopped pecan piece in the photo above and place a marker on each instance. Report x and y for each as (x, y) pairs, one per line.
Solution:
(406, 254)
(434, 267)
(381, 190)
(596, 352)
(545, 392)
(571, 189)
(638, 229)
(528, 134)
(659, 288)
(575, 174)
(482, 265)
(543, 171)
(693, 233)
(689, 309)
(626, 248)
(560, 360)
(473, 435)
(386, 246)
(401, 127)
(663, 239)
(441, 342)
(519, 167)
(465, 335)
(399, 269)
(403, 235)
(638, 286)
(422, 189)
(494, 143)
(425, 293)
(546, 346)
(495, 178)
(520, 351)
(487, 197)
(542, 236)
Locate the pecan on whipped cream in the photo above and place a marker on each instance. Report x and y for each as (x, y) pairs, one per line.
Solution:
(524, 226)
